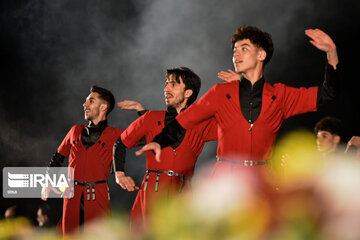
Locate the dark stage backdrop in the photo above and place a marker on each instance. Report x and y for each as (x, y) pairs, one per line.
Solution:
(53, 51)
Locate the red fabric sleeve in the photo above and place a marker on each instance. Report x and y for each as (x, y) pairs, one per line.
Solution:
(201, 110)
(135, 131)
(65, 146)
(210, 131)
(298, 100)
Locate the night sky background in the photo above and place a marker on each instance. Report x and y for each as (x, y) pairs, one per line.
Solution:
(53, 51)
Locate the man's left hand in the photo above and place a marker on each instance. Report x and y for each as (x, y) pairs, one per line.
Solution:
(323, 42)
(229, 75)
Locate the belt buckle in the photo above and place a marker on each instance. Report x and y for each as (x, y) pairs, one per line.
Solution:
(171, 173)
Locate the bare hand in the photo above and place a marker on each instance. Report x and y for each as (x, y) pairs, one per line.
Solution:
(354, 141)
(45, 191)
(126, 182)
(130, 105)
(323, 42)
(229, 75)
(154, 146)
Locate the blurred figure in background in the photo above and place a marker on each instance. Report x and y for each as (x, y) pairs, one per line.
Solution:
(10, 212)
(329, 133)
(44, 216)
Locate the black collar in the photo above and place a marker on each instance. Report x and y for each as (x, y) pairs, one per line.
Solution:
(91, 127)
(259, 84)
(171, 113)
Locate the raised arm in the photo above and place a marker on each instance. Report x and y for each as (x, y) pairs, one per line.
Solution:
(331, 85)
(132, 105)
(354, 141)
(323, 42)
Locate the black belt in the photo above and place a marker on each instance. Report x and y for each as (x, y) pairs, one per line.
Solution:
(169, 173)
(247, 163)
(87, 185)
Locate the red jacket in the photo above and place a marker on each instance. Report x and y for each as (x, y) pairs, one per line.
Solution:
(180, 160)
(237, 139)
(89, 165)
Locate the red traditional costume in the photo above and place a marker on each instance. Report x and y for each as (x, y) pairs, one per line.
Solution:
(91, 170)
(172, 174)
(238, 140)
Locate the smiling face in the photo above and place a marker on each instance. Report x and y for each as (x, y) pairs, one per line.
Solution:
(94, 108)
(175, 94)
(247, 57)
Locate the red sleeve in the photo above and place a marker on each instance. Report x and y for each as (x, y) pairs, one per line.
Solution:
(210, 131)
(201, 110)
(65, 146)
(298, 100)
(135, 131)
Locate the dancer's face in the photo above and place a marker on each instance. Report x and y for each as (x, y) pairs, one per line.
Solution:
(175, 93)
(247, 56)
(326, 141)
(93, 105)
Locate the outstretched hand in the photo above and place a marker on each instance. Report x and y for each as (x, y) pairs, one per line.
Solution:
(153, 146)
(130, 105)
(229, 75)
(323, 42)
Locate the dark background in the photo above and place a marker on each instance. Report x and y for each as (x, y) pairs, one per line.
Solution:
(53, 51)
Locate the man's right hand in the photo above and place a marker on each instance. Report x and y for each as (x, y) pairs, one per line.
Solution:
(45, 191)
(153, 146)
(130, 105)
(126, 182)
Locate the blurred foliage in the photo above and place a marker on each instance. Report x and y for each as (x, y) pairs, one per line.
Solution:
(311, 198)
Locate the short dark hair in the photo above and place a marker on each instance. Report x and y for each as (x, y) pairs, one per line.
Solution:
(45, 209)
(257, 37)
(105, 95)
(329, 124)
(190, 79)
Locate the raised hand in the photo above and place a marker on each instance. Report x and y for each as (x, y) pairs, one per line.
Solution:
(354, 141)
(229, 75)
(323, 42)
(130, 105)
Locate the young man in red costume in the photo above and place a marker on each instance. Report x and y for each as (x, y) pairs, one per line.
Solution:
(172, 174)
(90, 148)
(249, 111)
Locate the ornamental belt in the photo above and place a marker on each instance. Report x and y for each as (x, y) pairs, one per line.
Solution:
(87, 185)
(247, 163)
(169, 173)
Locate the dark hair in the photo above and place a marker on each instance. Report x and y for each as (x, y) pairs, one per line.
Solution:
(257, 37)
(190, 79)
(45, 209)
(329, 124)
(105, 95)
